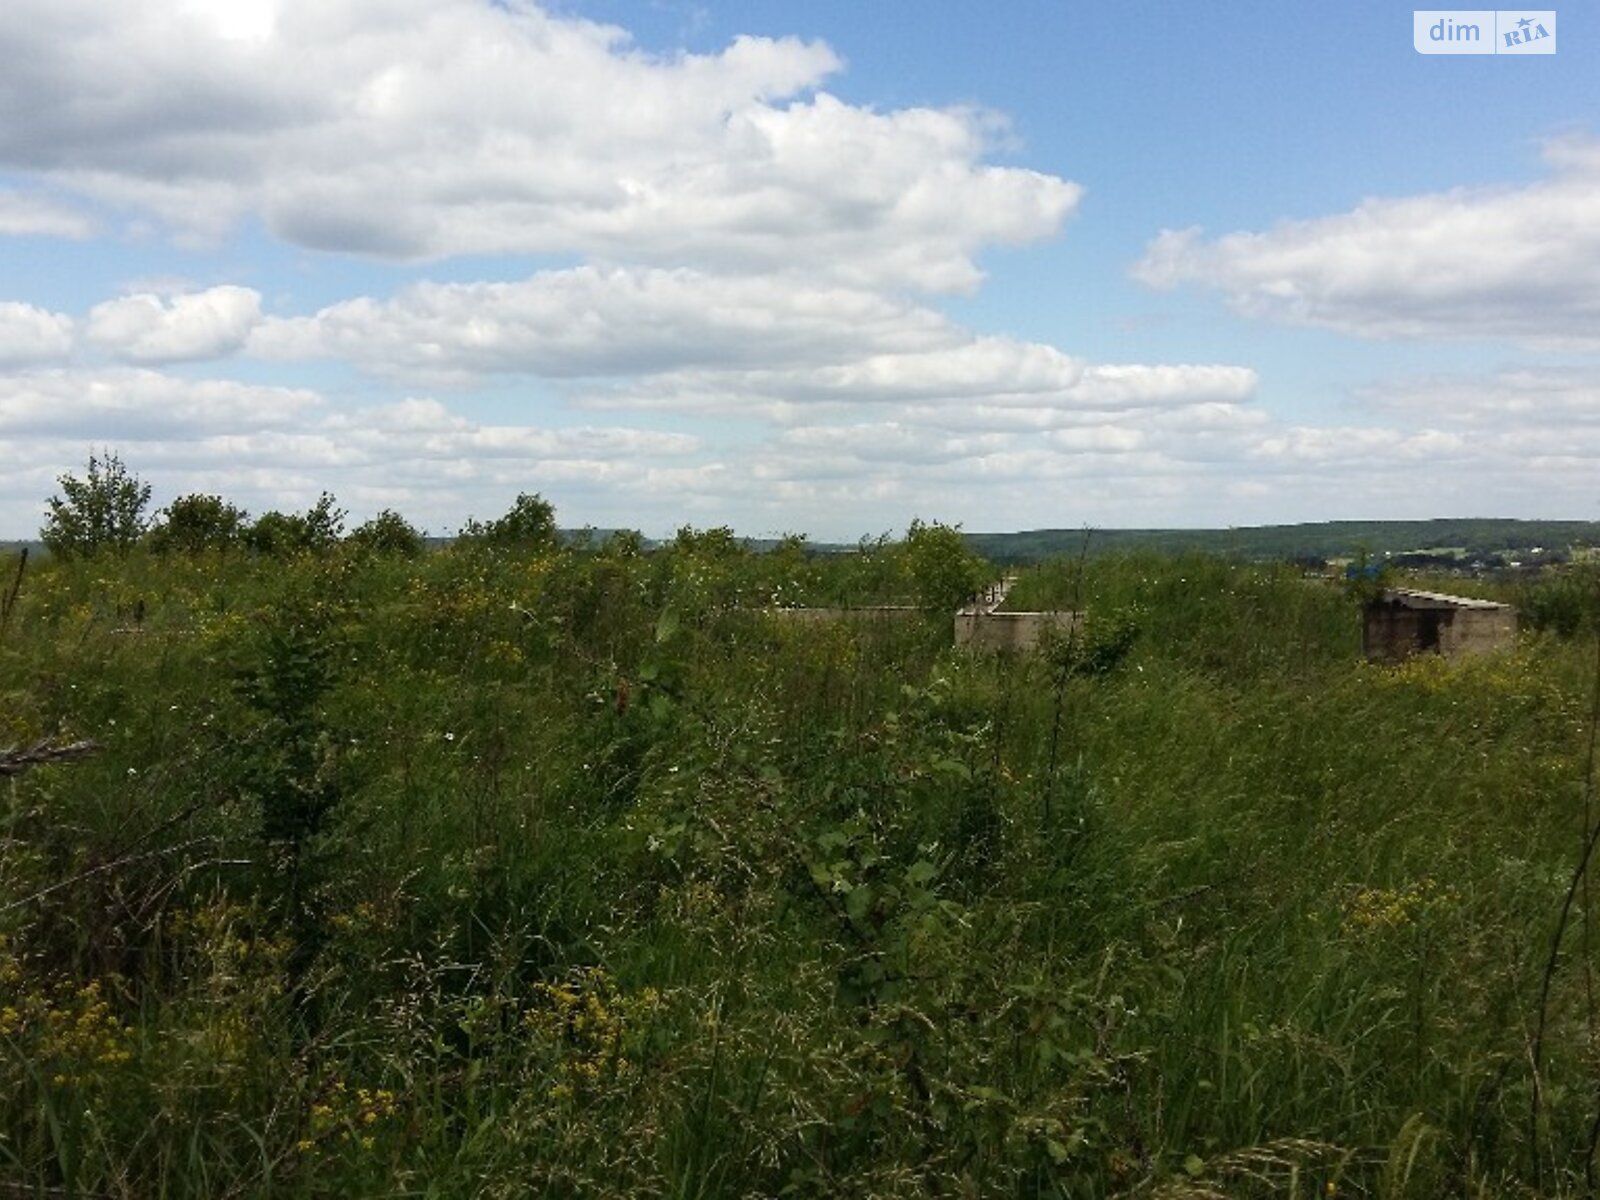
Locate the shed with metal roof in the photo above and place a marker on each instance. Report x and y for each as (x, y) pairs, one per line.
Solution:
(1402, 622)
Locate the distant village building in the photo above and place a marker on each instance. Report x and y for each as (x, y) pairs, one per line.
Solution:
(1402, 622)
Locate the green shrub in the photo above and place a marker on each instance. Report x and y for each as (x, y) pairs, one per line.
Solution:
(283, 535)
(388, 533)
(102, 511)
(530, 524)
(196, 523)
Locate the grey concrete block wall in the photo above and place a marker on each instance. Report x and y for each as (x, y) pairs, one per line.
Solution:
(1478, 631)
(996, 632)
(975, 629)
(879, 612)
(1401, 623)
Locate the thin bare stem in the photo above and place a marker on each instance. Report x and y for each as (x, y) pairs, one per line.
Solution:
(10, 601)
(16, 761)
(1591, 839)
(1063, 672)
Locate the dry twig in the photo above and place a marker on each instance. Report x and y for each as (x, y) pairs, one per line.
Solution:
(15, 761)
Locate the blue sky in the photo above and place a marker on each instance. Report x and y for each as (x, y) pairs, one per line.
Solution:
(815, 268)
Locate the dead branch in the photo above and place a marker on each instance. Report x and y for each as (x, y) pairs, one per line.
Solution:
(102, 868)
(15, 761)
(9, 601)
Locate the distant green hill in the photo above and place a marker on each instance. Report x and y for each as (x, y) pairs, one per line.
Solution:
(1326, 539)
(1471, 538)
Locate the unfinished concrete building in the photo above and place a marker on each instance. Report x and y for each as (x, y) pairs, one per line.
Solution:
(1402, 622)
(1008, 632)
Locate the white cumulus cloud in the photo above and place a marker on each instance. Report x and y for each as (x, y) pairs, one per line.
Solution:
(140, 405)
(592, 321)
(31, 335)
(774, 347)
(420, 129)
(1515, 263)
(25, 215)
(1524, 397)
(148, 328)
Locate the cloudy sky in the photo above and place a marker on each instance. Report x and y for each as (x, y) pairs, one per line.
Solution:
(816, 268)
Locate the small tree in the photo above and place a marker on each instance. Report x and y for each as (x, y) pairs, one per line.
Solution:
(719, 543)
(1366, 578)
(623, 543)
(100, 512)
(388, 533)
(944, 571)
(795, 577)
(531, 524)
(284, 534)
(196, 523)
(324, 522)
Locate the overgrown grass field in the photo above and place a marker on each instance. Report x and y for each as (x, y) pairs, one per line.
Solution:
(579, 873)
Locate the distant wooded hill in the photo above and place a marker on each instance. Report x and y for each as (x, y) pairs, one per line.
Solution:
(1469, 538)
(1324, 540)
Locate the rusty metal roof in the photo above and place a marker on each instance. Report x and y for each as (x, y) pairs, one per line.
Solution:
(1414, 598)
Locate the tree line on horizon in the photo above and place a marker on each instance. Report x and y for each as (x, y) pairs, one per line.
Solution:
(106, 512)
(1469, 537)
(107, 509)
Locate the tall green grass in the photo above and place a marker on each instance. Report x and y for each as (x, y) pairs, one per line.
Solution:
(583, 875)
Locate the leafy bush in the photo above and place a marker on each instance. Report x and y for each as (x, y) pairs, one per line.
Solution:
(195, 523)
(102, 511)
(282, 535)
(944, 571)
(1566, 602)
(530, 524)
(388, 533)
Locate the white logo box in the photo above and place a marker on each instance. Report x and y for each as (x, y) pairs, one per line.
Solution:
(1484, 31)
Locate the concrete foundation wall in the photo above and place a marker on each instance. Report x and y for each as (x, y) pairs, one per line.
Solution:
(975, 629)
(1391, 634)
(1394, 632)
(881, 612)
(995, 632)
(1478, 631)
